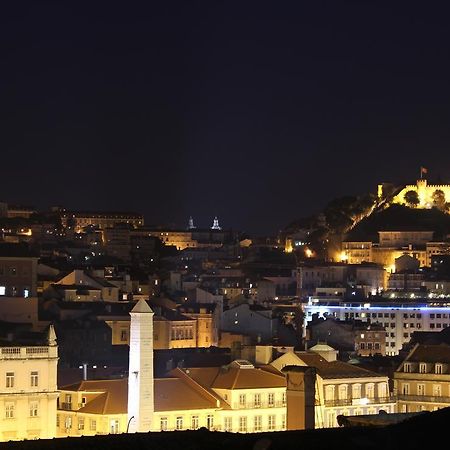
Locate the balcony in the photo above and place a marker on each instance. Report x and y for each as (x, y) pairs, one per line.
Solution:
(359, 401)
(66, 406)
(27, 352)
(423, 398)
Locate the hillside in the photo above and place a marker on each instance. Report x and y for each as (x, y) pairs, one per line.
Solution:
(401, 218)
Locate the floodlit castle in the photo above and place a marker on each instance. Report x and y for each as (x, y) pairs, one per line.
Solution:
(426, 193)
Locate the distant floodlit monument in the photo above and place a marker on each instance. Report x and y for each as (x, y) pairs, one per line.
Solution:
(215, 225)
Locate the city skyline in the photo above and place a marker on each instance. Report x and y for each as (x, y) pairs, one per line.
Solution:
(257, 113)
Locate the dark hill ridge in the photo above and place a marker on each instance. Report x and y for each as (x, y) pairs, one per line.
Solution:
(424, 431)
(401, 218)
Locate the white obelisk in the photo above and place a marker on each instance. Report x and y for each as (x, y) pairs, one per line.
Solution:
(140, 375)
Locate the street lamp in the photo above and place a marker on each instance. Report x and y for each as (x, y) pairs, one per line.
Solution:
(129, 421)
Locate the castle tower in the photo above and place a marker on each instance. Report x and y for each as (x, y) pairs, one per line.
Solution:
(140, 375)
(422, 191)
(215, 225)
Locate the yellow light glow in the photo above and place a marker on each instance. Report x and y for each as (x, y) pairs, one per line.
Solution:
(343, 256)
(308, 252)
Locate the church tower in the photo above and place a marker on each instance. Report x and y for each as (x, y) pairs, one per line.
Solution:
(215, 225)
(140, 374)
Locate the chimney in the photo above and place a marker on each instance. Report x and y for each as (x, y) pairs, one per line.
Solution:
(300, 396)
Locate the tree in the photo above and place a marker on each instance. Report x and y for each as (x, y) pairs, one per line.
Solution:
(439, 199)
(412, 199)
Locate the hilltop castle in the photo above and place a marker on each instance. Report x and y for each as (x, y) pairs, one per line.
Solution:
(424, 192)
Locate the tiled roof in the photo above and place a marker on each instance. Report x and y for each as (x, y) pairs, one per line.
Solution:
(232, 377)
(431, 353)
(334, 369)
(171, 394)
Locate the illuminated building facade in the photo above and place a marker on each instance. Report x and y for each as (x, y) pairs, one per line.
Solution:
(80, 219)
(400, 320)
(28, 389)
(236, 398)
(340, 388)
(422, 381)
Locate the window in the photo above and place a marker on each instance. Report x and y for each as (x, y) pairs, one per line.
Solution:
(81, 423)
(57, 421)
(33, 409)
(228, 423)
(420, 389)
(242, 424)
(438, 368)
(179, 423)
(284, 399)
(9, 410)
(2, 290)
(9, 379)
(437, 390)
(242, 400)
(163, 424)
(362, 346)
(422, 368)
(283, 421)
(370, 390)
(271, 399)
(257, 400)
(68, 422)
(209, 422)
(272, 421)
(356, 391)
(114, 426)
(93, 425)
(405, 388)
(258, 423)
(34, 379)
(123, 335)
(407, 367)
(194, 422)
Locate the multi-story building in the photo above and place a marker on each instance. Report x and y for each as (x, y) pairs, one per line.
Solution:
(354, 336)
(28, 389)
(340, 388)
(400, 319)
(80, 219)
(422, 381)
(369, 277)
(18, 271)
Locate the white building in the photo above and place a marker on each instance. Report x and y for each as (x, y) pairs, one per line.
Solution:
(340, 388)
(400, 320)
(28, 390)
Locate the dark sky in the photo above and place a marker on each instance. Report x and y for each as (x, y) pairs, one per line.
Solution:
(259, 112)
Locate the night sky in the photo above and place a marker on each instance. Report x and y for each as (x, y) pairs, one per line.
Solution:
(258, 112)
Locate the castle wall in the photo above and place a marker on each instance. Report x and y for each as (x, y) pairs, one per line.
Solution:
(425, 192)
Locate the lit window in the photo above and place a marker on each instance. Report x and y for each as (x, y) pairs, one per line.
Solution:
(2, 290)
(34, 379)
(194, 422)
(9, 379)
(242, 424)
(9, 410)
